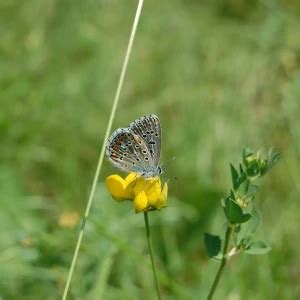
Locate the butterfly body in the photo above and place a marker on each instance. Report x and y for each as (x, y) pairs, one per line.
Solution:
(137, 147)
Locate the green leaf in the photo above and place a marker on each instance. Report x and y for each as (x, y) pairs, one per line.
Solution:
(246, 242)
(253, 164)
(245, 193)
(244, 187)
(258, 248)
(247, 152)
(213, 244)
(242, 169)
(234, 213)
(252, 190)
(218, 257)
(248, 229)
(272, 159)
(234, 176)
(232, 195)
(253, 167)
(237, 179)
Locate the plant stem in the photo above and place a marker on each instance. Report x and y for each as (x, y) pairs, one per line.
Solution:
(102, 153)
(151, 254)
(223, 262)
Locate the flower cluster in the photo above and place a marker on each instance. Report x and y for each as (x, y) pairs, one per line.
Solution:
(146, 194)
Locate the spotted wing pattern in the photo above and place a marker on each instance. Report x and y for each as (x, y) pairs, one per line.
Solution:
(148, 128)
(128, 151)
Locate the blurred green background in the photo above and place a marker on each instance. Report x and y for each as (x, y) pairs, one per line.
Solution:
(221, 75)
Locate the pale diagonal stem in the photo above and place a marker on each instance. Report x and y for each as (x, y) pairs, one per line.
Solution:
(151, 255)
(102, 153)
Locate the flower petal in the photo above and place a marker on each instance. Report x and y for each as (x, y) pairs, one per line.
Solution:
(146, 193)
(131, 178)
(119, 188)
(153, 191)
(139, 185)
(162, 199)
(141, 202)
(151, 187)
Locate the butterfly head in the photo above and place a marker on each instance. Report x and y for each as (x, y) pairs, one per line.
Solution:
(160, 170)
(155, 172)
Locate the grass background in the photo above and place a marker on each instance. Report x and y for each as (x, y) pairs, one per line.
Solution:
(221, 75)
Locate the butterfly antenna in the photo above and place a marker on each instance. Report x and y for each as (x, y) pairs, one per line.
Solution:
(164, 163)
(167, 161)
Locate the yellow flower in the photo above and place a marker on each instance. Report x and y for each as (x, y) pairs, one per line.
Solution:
(121, 189)
(147, 194)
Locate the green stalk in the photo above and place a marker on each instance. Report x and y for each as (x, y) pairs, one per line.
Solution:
(223, 262)
(102, 153)
(151, 255)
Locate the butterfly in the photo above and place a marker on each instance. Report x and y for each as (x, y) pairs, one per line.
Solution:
(137, 147)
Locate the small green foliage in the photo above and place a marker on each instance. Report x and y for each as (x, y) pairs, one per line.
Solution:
(239, 207)
(242, 216)
(237, 178)
(213, 244)
(271, 160)
(252, 163)
(257, 166)
(248, 229)
(234, 212)
(257, 248)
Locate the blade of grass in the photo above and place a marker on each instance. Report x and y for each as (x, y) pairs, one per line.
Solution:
(102, 153)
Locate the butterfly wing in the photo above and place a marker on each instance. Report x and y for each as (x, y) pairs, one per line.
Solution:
(148, 128)
(128, 151)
